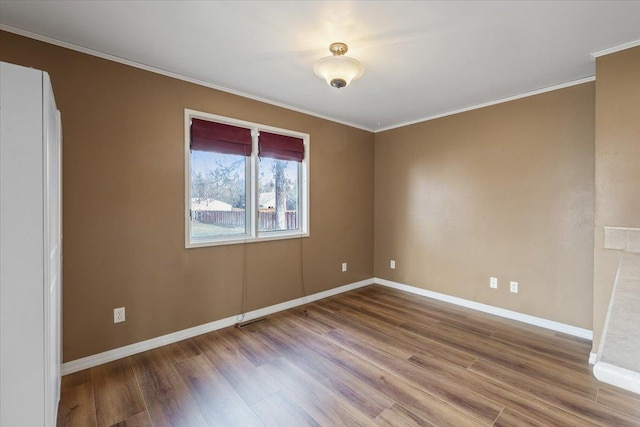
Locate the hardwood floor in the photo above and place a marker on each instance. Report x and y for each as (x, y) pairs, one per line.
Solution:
(373, 356)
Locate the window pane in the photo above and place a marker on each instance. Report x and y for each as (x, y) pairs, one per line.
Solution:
(278, 195)
(218, 188)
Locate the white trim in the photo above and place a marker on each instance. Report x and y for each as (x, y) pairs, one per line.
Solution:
(514, 315)
(605, 328)
(252, 233)
(617, 376)
(129, 350)
(593, 358)
(171, 74)
(615, 49)
(490, 103)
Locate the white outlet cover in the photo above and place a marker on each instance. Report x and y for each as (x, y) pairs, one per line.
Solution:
(493, 282)
(392, 264)
(344, 267)
(118, 315)
(513, 287)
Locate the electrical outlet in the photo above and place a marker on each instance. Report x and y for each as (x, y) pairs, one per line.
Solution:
(344, 267)
(493, 282)
(392, 264)
(513, 287)
(118, 315)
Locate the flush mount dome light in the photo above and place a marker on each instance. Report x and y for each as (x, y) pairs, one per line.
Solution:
(338, 70)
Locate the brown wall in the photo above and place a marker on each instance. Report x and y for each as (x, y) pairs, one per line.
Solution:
(617, 178)
(503, 191)
(124, 204)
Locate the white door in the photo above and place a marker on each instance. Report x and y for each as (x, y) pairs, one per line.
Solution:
(52, 281)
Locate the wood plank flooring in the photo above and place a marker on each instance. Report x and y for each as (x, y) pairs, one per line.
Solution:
(371, 357)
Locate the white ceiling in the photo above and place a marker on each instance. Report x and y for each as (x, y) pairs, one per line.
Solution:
(421, 59)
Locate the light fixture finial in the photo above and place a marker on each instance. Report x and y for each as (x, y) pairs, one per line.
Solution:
(338, 48)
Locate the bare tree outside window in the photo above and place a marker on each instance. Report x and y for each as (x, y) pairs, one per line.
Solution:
(278, 201)
(244, 182)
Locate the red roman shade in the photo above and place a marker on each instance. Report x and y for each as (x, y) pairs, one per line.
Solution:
(220, 138)
(281, 147)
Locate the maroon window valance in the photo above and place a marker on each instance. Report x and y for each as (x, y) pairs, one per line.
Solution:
(220, 138)
(281, 147)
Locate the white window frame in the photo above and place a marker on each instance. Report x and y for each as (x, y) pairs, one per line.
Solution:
(251, 205)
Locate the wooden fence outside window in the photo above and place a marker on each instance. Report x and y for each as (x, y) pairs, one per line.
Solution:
(266, 218)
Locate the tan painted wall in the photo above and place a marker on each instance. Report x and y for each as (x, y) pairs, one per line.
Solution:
(617, 200)
(503, 191)
(124, 196)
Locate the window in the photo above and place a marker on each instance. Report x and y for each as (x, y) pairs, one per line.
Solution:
(243, 181)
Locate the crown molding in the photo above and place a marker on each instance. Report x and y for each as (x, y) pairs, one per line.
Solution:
(614, 49)
(490, 103)
(167, 73)
(171, 74)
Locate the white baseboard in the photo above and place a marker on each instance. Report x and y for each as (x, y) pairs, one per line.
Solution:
(593, 357)
(514, 315)
(617, 376)
(139, 347)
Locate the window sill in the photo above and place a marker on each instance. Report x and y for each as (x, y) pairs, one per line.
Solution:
(274, 235)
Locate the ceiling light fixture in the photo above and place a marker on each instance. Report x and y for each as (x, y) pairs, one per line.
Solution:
(338, 70)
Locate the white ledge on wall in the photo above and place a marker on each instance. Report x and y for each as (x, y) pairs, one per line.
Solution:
(622, 239)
